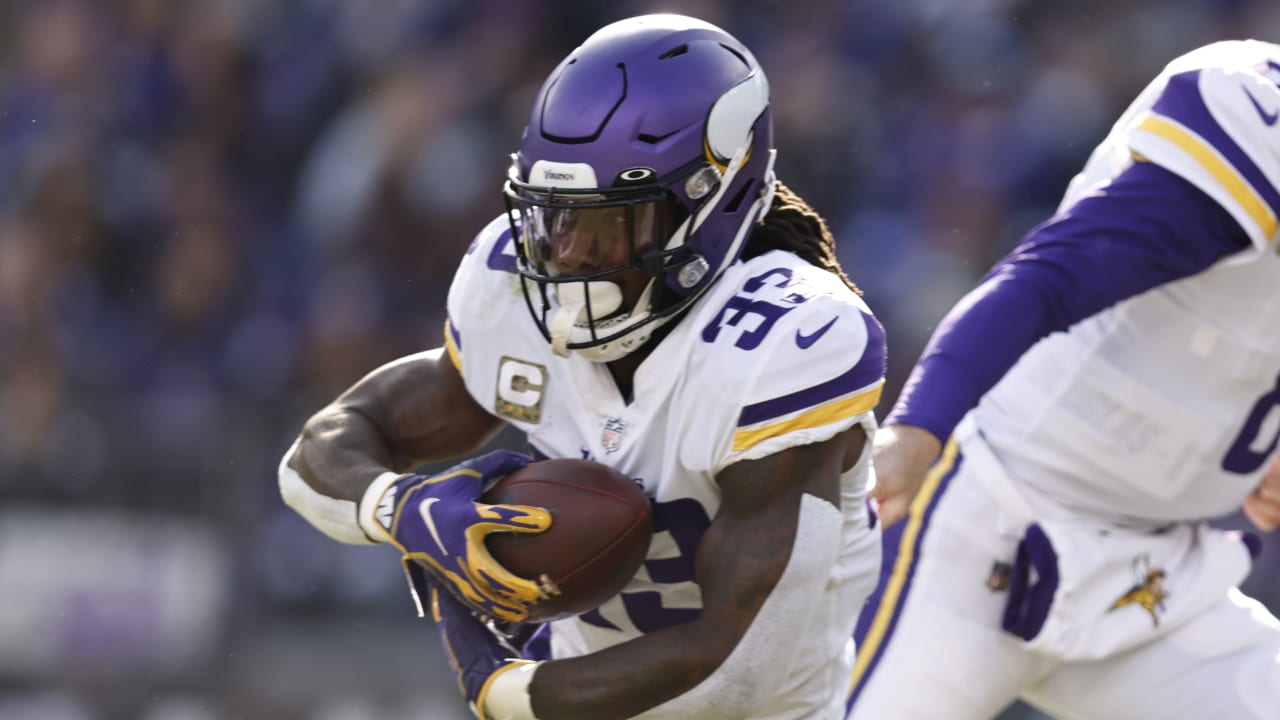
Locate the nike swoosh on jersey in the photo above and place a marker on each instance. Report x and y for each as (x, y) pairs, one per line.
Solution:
(425, 511)
(805, 341)
(1268, 118)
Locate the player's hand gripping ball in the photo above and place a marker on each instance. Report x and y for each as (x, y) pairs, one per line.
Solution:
(436, 521)
(601, 526)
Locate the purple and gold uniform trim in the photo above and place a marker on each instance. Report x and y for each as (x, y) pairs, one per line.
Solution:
(902, 543)
(453, 345)
(852, 393)
(1181, 117)
(845, 407)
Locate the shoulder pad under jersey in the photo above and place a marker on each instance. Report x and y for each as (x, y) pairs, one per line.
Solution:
(802, 354)
(485, 288)
(1217, 126)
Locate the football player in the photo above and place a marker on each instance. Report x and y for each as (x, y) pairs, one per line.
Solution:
(1109, 386)
(655, 300)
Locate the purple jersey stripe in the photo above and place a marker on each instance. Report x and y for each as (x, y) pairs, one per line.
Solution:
(1182, 102)
(902, 543)
(539, 646)
(498, 258)
(454, 335)
(867, 372)
(901, 556)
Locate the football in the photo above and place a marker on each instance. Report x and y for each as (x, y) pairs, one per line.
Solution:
(600, 532)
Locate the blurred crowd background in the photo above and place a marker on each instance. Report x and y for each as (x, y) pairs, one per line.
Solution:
(217, 214)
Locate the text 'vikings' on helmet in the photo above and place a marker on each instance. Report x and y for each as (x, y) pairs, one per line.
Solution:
(649, 150)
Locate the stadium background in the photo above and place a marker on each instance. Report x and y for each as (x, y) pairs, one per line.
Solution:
(216, 215)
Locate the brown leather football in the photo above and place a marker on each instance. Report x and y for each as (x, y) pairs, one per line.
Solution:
(599, 535)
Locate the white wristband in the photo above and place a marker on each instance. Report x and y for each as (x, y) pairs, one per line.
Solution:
(378, 507)
(506, 694)
(331, 516)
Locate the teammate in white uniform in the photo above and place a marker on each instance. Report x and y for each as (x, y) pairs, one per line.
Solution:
(1111, 385)
(654, 300)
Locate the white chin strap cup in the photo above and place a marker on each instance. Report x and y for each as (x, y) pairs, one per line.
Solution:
(605, 298)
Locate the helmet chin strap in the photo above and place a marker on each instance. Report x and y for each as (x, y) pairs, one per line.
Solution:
(569, 324)
(604, 297)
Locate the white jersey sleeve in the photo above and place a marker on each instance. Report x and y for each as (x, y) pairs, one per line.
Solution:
(1214, 126)
(477, 296)
(489, 336)
(1210, 118)
(805, 355)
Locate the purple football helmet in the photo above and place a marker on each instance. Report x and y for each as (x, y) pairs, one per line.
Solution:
(649, 147)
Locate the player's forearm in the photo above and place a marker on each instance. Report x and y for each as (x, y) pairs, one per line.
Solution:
(737, 566)
(628, 679)
(407, 412)
(329, 468)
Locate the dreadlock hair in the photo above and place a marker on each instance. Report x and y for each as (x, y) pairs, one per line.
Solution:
(794, 226)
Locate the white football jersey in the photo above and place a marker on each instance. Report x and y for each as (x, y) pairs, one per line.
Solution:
(1167, 405)
(778, 353)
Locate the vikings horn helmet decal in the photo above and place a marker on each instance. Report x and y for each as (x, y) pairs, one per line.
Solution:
(649, 148)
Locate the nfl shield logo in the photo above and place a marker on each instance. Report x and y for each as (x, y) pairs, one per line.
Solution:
(612, 435)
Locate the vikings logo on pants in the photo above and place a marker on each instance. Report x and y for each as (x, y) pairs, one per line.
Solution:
(1148, 593)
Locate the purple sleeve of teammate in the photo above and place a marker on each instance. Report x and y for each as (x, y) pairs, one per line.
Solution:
(1147, 228)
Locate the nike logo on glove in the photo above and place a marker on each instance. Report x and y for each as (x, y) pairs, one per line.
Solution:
(425, 511)
(1268, 118)
(805, 341)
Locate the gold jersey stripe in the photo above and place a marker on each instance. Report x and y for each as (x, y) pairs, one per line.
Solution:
(902, 564)
(816, 417)
(1226, 175)
(451, 348)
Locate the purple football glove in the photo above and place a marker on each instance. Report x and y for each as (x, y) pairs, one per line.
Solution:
(476, 649)
(438, 525)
